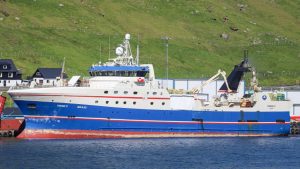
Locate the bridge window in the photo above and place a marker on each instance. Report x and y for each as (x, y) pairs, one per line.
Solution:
(125, 92)
(154, 93)
(124, 73)
(115, 92)
(131, 74)
(110, 73)
(141, 73)
(103, 73)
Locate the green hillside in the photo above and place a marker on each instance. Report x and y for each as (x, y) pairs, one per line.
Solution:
(40, 33)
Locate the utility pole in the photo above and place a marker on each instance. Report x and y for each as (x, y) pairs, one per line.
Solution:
(166, 40)
(138, 51)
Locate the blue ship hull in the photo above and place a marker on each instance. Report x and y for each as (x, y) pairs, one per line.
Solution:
(60, 120)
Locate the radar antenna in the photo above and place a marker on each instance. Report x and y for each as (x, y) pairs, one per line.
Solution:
(124, 54)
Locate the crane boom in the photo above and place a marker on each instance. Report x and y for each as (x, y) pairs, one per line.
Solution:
(212, 79)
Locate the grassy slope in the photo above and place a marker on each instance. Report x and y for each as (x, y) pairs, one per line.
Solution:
(47, 32)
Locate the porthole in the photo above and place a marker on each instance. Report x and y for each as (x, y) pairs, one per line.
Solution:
(117, 102)
(163, 103)
(134, 102)
(70, 101)
(115, 92)
(107, 102)
(96, 101)
(125, 92)
(124, 102)
(135, 92)
(151, 103)
(105, 92)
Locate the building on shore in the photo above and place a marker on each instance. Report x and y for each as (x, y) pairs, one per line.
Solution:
(9, 74)
(48, 76)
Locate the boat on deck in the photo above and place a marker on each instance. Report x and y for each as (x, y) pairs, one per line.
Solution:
(122, 99)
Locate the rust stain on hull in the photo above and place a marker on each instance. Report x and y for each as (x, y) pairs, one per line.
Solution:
(88, 134)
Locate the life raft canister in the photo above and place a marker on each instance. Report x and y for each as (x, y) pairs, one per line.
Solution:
(141, 80)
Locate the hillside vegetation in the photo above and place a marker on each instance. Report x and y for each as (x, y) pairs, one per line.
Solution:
(205, 35)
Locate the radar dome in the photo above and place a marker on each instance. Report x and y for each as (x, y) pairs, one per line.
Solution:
(119, 51)
(127, 36)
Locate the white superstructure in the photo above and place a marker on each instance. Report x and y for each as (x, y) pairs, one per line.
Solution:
(122, 83)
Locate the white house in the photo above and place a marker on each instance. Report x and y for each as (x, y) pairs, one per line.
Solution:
(9, 74)
(48, 76)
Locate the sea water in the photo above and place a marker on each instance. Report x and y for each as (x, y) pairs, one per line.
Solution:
(175, 153)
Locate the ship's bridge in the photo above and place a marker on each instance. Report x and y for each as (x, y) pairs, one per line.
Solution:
(123, 71)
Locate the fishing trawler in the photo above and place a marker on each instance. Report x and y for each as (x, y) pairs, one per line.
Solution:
(122, 99)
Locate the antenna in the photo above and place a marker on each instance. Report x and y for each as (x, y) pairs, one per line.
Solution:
(138, 51)
(245, 53)
(62, 72)
(108, 47)
(100, 50)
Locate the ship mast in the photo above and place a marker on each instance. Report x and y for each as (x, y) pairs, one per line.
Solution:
(124, 54)
(62, 73)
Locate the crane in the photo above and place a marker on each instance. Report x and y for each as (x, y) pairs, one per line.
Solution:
(212, 79)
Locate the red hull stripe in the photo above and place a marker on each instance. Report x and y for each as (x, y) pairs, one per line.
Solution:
(75, 134)
(151, 121)
(296, 118)
(159, 98)
(117, 97)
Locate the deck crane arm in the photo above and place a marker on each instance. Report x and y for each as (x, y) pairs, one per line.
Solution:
(212, 79)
